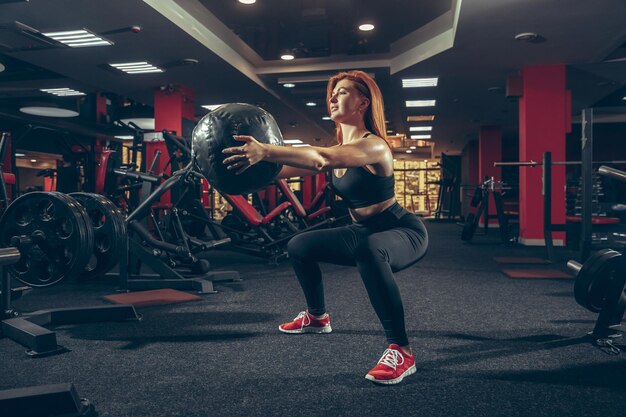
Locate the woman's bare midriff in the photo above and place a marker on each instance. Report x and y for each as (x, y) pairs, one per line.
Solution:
(362, 213)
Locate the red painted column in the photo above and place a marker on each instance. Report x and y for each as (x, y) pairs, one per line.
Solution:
(170, 107)
(544, 120)
(489, 151)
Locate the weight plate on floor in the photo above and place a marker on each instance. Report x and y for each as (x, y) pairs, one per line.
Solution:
(593, 281)
(109, 233)
(52, 233)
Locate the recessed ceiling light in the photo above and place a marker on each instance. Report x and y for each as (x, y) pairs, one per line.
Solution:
(48, 111)
(624, 98)
(420, 128)
(366, 27)
(421, 136)
(428, 118)
(1, 67)
(530, 37)
(19, 155)
(326, 118)
(311, 104)
(78, 38)
(419, 82)
(33, 160)
(142, 67)
(287, 57)
(247, 1)
(412, 147)
(408, 151)
(292, 141)
(420, 103)
(61, 92)
(289, 85)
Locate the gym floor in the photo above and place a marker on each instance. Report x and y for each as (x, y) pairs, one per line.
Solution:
(485, 345)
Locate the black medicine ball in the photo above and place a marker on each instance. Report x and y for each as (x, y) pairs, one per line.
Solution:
(214, 132)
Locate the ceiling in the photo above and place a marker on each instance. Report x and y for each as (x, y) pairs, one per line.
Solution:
(469, 44)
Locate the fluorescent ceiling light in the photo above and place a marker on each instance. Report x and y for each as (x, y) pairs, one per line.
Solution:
(33, 161)
(326, 118)
(366, 27)
(419, 82)
(125, 137)
(19, 155)
(211, 107)
(78, 38)
(292, 141)
(48, 111)
(247, 1)
(420, 103)
(408, 151)
(412, 147)
(420, 136)
(624, 98)
(287, 57)
(300, 145)
(145, 123)
(1, 67)
(142, 67)
(428, 118)
(61, 92)
(420, 128)
(289, 85)
(311, 104)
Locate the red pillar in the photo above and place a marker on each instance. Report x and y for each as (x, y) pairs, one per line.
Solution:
(544, 120)
(170, 107)
(489, 151)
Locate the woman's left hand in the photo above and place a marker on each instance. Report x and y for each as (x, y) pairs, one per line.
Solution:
(244, 156)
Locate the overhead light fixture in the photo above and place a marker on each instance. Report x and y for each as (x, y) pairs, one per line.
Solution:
(211, 107)
(62, 92)
(33, 161)
(412, 147)
(19, 155)
(326, 118)
(419, 82)
(78, 38)
(292, 141)
(48, 111)
(2, 67)
(289, 85)
(125, 137)
(145, 123)
(142, 67)
(420, 128)
(311, 104)
(247, 1)
(624, 98)
(530, 37)
(428, 118)
(287, 57)
(366, 27)
(300, 145)
(409, 151)
(420, 103)
(421, 136)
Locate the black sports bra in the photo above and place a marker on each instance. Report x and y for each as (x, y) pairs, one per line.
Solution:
(360, 188)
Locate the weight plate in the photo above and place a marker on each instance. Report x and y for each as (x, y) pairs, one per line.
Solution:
(52, 233)
(109, 232)
(592, 284)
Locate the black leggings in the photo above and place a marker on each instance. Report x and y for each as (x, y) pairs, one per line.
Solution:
(382, 244)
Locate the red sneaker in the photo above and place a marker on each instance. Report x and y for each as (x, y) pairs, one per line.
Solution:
(306, 323)
(392, 367)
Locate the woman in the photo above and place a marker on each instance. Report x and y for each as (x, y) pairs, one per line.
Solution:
(383, 236)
